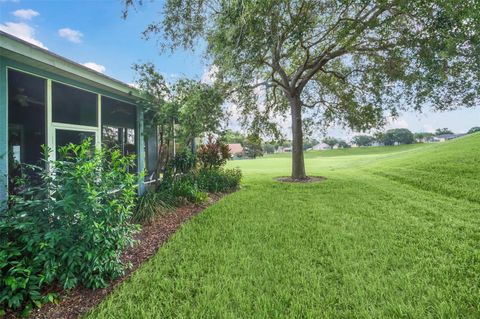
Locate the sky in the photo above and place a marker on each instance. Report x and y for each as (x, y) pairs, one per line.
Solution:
(93, 33)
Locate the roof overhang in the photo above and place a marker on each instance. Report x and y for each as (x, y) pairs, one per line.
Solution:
(24, 52)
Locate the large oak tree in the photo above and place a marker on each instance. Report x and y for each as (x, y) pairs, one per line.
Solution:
(348, 62)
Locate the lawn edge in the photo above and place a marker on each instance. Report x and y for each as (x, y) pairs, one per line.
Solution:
(151, 238)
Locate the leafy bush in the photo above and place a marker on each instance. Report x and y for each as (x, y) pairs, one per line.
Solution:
(214, 153)
(219, 180)
(184, 162)
(182, 188)
(68, 224)
(152, 204)
(185, 184)
(185, 188)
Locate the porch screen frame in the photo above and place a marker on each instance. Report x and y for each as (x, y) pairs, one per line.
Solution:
(51, 127)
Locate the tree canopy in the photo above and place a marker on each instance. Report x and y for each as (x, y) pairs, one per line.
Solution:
(183, 110)
(229, 136)
(253, 146)
(199, 109)
(330, 141)
(347, 62)
(398, 136)
(423, 136)
(343, 144)
(474, 130)
(441, 131)
(363, 140)
(309, 143)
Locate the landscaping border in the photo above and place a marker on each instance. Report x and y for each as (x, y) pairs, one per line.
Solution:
(152, 236)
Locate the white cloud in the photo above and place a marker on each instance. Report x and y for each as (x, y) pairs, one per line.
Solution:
(25, 14)
(94, 66)
(71, 35)
(23, 31)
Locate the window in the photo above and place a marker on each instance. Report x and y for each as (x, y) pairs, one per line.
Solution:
(73, 106)
(65, 137)
(118, 125)
(26, 120)
(151, 153)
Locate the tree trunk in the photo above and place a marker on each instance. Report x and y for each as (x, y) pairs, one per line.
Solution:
(193, 147)
(298, 163)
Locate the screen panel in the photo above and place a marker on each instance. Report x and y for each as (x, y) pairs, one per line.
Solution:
(119, 125)
(66, 137)
(26, 121)
(73, 106)
(118, 114)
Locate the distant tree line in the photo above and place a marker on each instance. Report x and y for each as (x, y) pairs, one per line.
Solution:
(403, 136)
(254, 146)
(474, 129)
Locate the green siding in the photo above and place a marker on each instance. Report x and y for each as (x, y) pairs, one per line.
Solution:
(141, 151)
(3, 134)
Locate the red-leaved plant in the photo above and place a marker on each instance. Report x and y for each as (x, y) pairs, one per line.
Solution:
(214, 153)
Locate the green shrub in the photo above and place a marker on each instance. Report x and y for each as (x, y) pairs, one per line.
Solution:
(181, 188)
(68, 224)
(185, 188)
(152, 204)
(219, 179)
(183, 162)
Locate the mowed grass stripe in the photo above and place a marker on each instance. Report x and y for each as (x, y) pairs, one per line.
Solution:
(356, 245)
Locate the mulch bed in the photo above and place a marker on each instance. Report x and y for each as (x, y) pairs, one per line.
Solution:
(309, 179)
(80, 300)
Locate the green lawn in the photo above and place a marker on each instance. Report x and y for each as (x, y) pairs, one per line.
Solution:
(392, 233)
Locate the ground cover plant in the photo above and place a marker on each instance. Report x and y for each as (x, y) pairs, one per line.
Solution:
(391, 233)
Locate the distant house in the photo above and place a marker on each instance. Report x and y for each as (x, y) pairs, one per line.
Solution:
(283, 149)
(427, 139)
(446, 137)
(236, 149)
(320, 147)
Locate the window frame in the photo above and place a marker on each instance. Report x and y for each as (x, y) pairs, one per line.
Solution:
(51, 126)
(7, 105)
(135, 126)
(97, 105)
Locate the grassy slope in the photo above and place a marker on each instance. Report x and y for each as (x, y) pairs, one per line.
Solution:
(394, 233)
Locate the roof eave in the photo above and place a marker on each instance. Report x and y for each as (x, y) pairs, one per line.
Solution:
(29, 51)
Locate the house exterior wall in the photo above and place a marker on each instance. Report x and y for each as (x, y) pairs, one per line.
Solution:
(6, 64)
(3, 132)
(321, 147)
(140, 151)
